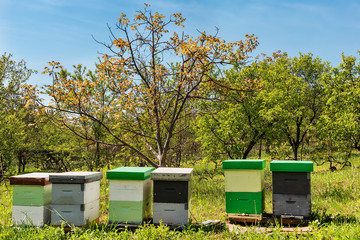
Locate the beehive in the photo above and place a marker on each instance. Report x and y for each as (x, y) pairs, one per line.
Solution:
(244, 186)
(75, 197)
(291, 188)
(31, 199)
(130, 195)
(172, 195)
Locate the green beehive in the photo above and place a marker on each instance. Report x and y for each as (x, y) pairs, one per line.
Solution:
(291, 166)
(130, 191)
(244, 186)
(32, 196)
(129, 173)
(245, 202)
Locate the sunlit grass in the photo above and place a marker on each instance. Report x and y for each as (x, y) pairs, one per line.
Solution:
(335, 207)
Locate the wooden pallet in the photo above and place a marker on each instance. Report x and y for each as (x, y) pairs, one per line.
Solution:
(244, 218)
(290, 220)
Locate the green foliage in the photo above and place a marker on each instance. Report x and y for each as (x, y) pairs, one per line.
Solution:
(15, 120)
(285, 108)
(339, 126)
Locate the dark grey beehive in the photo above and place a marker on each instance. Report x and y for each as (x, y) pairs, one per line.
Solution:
(291, 188)
(172, 195)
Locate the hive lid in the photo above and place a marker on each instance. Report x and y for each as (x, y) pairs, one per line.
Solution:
(244, 164)
(291, 166)
(172, 174)
(35, 178)
(75, 177)
(129, 173)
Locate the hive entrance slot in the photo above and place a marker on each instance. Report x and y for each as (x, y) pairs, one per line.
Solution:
(66, 212)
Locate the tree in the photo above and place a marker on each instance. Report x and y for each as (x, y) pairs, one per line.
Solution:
(295, 96)
(148, 79)
(15, 120)
(339, 126)
(233, 125)
(284, 109)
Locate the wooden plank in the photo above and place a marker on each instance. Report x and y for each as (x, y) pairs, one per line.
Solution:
(36, 178)
(244, 218)
(238, 229)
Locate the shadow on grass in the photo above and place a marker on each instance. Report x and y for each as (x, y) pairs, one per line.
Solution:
(338, 219)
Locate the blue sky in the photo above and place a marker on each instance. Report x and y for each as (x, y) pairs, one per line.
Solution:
(40, 31)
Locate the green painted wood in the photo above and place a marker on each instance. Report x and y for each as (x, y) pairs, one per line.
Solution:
(130, 173)
(27, 195)
(129, 211)
(291, 166)
(244, 202)
(244, 164)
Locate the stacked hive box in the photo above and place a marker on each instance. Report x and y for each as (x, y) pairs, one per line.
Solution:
(130, 195)
(291, 188)
(75, 197)
(31, 199)
(244, 187)
(172, 195)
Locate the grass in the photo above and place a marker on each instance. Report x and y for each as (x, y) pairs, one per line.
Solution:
(335, 207)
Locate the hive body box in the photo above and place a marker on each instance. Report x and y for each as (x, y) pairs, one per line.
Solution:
(75, 197)
(31, 199)
(172, 195)
(244, 186)
(130, 195)
(291, 188)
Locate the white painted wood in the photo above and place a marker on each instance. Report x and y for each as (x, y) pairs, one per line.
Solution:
(82, 193)
(78, 214)
(130, 190)
(171, 174)
(171, 213)
(244, 180)
(30, 215)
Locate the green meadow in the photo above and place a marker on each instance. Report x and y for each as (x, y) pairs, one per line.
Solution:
(335, 211)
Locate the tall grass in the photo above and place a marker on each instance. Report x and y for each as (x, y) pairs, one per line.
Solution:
(335, 207)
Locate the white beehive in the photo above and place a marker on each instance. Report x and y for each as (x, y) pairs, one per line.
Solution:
(75, 197)
(130, 195)
(31, 215)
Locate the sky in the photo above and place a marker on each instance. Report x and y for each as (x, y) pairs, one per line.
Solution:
(40, 31)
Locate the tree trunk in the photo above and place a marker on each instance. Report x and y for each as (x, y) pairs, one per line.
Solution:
(260, 145)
